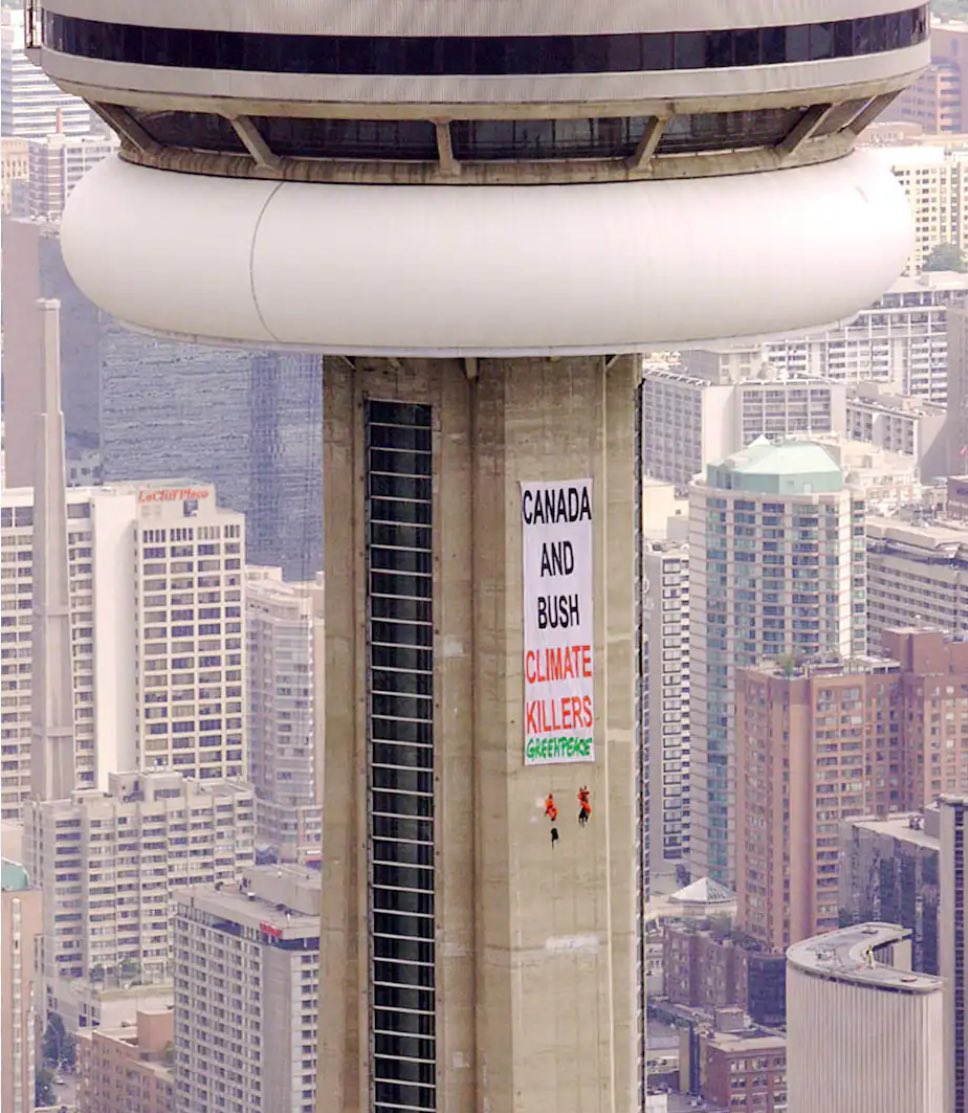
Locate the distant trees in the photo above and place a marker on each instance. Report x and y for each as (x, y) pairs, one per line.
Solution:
(129, 970)
(945, 257)
(58, 1048)
(44, 1087)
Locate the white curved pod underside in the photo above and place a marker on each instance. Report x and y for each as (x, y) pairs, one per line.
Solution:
(444, 270)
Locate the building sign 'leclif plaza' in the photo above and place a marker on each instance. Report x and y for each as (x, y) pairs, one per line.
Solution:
(559, 674)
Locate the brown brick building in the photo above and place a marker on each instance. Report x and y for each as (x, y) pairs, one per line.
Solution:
(745, 1072)
(734, 1066)
(938, 100)
(934, 697)
(703, 968)
(821, 742)
(814, 745)
(125, 1070)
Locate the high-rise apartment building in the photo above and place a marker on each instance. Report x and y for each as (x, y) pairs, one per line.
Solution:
(703, 412)
(934, 713)
(20, 924)
(935, 182)
(889, 871)
(284, 647)
(917, 575)
(56, 163)
(110, 864)
(900, 339)
(820, 742)
(864, 1034)
(247, 1007)
(128, 1069)
(956, 432)
(480, 428)
(155, 577)
(29, 100)
(815, 744)
(777, 567)
(665, 628)
(111, 728)
(953, 947)
(938, 100)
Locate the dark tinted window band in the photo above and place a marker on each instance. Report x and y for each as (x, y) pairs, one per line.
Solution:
(397, 521)
(456, 56)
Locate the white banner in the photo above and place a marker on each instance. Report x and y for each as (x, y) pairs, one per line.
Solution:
(559, 674)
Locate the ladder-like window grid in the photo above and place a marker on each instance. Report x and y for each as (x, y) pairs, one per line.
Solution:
(401, 756)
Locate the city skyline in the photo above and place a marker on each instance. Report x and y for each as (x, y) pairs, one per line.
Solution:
(621, 751)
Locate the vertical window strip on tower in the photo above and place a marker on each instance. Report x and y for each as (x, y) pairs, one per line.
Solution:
(641, 734)
(401, 755)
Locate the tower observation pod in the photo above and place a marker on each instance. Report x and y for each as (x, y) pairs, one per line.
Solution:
(480, 212)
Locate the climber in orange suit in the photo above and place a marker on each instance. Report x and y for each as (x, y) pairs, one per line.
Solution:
(584, 805)
(551, 811)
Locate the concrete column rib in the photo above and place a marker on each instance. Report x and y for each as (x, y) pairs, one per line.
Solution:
(52, 741)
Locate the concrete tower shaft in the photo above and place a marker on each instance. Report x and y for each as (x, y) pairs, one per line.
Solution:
(521, 953)
(584, 182)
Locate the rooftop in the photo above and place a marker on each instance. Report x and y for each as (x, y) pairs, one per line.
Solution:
(747, 1040)
(13, 877)
(281, 901)
(795, 467)
(935, 536)
(873, 396)
(162, 787)
(823, 666)
(704, 891)
(898, 827)
(847, 955)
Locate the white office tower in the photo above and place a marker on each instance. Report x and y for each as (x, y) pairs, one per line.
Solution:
(900, 339)
(156, 608)
(710, 407)
(30, 103)
(665, 628)
(476, 212)
(56, 164)
(247, 1003)
(110, 864)
(776, 544)
(953, 947)
(863, 1032)
(284, 659)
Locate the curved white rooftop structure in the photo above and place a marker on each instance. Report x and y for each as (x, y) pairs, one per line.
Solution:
(862, 1034)
(696, 169)
(848, 955)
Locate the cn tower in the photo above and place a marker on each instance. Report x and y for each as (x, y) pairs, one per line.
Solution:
(480, 212)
